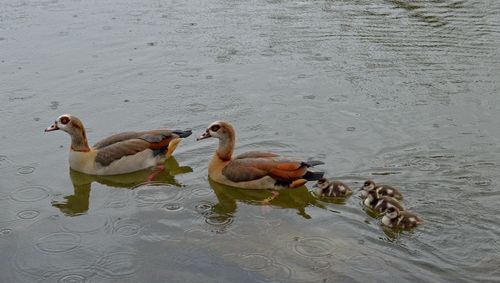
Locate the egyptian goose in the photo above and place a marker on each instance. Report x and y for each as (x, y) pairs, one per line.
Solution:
(382, 190)
(380, 203)
(332, 188)
(120, 153)
(400, 219)
(254, 169)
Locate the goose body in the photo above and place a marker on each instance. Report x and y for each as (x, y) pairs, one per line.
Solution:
(332, 188)
(254, 169)
(396, 218)
(382, 190)
(120, 153)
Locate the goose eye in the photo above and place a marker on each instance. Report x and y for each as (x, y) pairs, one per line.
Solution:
(214, 128)
(64, 120)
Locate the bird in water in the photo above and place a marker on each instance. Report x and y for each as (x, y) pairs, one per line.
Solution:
(331, 188)
(120, 153)
(401, 219)
(254, 169)
(382, 190)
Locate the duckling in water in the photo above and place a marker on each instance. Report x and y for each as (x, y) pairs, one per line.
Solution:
(331, 188)
(396, 218)
(380, 203)
(382, 190)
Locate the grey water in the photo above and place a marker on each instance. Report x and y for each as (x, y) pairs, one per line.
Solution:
(402, 92)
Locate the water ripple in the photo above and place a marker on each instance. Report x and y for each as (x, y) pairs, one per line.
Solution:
(4, 196)
(30, 194)
(367, 264)
(28, 214)
(5, 232)
(58, 242)
(69, 276)
(313, 247)
(425, 164)
(219, 220)
(255, 262)
(117, 265)
(26, 170)
(85, 223)
(172, 207)
(128, 227)
(158, 194)
(4, 161)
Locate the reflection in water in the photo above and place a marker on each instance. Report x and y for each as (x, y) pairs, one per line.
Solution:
(78, 202)
(298, 198)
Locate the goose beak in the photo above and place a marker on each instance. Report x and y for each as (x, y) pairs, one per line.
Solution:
(205, 135)
(52, 127)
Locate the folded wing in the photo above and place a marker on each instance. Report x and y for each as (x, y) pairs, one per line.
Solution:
(129, 143)
(255, 165)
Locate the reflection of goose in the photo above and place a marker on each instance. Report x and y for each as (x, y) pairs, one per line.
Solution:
(120, 153)
(78, 202)
(298, 198)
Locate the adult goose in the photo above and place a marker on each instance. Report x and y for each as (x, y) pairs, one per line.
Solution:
(120, 153)
(254, 169)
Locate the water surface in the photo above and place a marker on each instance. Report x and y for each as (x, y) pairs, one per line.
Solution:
(404, 92)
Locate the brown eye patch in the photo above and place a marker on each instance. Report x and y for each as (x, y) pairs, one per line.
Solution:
(64, 120)
(214, 128)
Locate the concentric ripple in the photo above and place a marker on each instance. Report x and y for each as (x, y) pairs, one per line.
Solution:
(201, 192)
(70, 276)
(28, 214)
(30, 194)
(425, 164)
(58, 242)
(366, 264)
(313, 247)
(24, 170)
(255, 262)
(174, 206)
(5, 232)
(73, 278)
(128, 228)
(4, 161)
(158, 194)
(219, 220)
(204, 207)
(117, 265)
(277, 271)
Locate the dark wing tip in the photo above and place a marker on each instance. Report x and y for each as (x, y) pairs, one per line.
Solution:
(182, 134)
(312, 163)
(313, 176)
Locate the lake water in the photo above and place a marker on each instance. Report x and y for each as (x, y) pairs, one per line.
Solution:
(404, 92)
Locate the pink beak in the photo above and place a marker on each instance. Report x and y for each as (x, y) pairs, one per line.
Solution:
(52, 127)
(205, 135)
